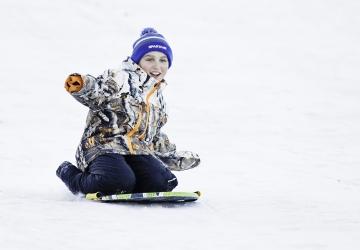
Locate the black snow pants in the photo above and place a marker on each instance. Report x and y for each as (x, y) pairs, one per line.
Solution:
(112, 173)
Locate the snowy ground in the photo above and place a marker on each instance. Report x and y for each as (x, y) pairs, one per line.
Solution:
(267, 92)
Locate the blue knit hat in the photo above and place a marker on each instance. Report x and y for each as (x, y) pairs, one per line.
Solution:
(150, 40)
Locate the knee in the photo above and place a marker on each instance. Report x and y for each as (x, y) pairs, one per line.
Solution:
(115, 182)
(124, 183)
(163, 182)
(172, 183)
(113, 174)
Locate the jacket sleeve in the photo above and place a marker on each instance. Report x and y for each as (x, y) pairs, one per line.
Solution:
(175, 160)
(94, 92)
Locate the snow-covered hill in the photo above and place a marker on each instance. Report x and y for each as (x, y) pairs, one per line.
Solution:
(267, 92)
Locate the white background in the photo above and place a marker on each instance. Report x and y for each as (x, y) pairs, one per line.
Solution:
(267, 92)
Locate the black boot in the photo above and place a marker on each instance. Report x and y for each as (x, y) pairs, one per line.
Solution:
(66, 172)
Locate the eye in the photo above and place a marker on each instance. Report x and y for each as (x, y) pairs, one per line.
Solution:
(163, 60)
(149, 59)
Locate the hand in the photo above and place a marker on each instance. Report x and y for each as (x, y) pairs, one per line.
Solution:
(74, 83)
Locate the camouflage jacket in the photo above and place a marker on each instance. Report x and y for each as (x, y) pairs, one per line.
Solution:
(126, 113)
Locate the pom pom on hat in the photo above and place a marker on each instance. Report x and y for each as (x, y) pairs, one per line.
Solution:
(150, 40)
(147, 31)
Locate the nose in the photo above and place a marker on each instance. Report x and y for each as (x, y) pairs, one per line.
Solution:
(156, 64)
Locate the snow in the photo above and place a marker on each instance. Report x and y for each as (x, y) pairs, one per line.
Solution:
(267, 92)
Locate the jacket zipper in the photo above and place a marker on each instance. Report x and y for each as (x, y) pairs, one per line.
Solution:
(131, 133)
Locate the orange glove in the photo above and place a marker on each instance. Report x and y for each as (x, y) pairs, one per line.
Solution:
(74, 83)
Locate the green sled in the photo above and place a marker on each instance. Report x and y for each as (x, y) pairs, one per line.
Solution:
(145, 197)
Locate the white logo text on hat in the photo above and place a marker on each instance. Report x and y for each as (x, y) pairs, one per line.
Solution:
(156, 46)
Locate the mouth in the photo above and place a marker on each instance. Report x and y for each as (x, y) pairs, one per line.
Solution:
(155, 74)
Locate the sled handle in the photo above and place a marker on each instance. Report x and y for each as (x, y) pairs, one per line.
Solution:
(93, 196)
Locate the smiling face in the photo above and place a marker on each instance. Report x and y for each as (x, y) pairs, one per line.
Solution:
(155, 64)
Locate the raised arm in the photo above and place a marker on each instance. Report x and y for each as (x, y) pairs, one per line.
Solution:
(94, 93)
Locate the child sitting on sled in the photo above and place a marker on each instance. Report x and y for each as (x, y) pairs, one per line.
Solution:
(123, 149)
